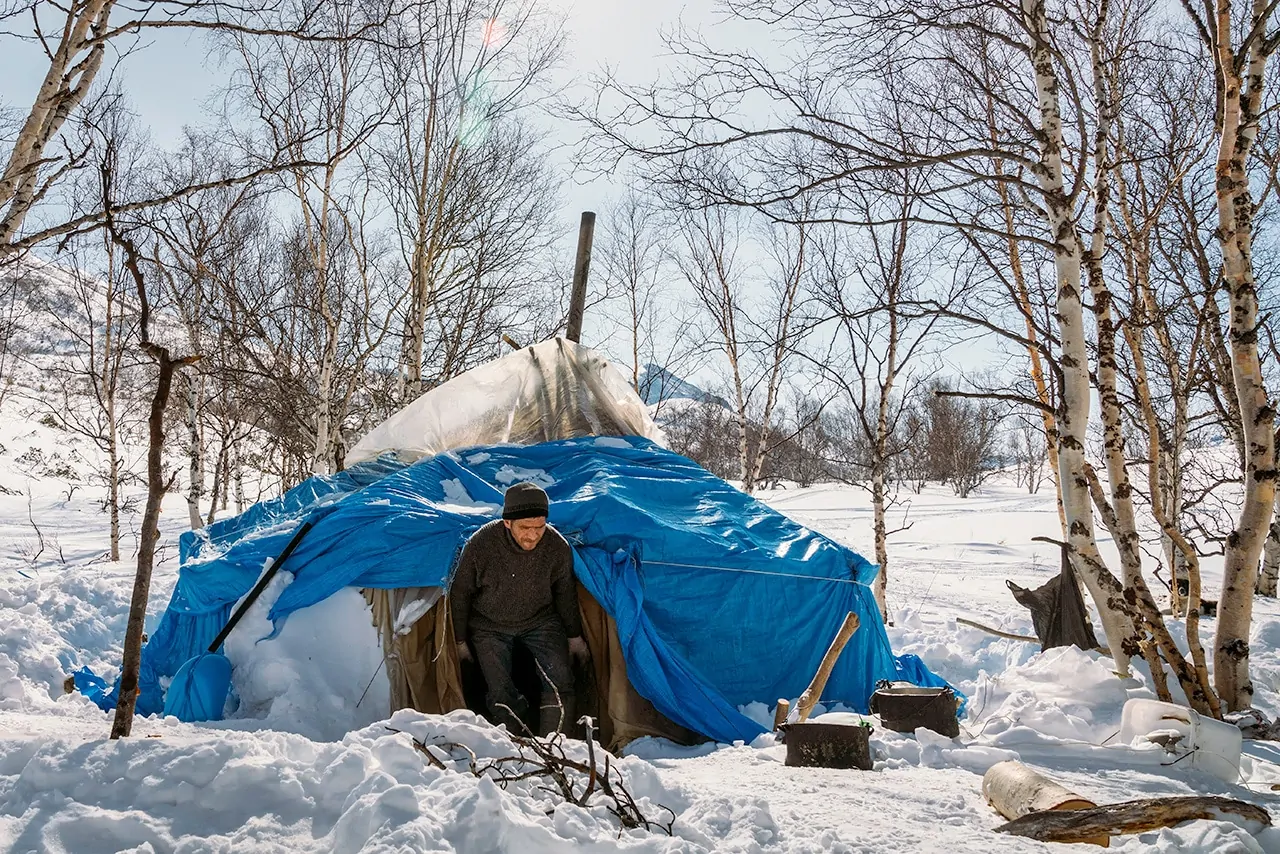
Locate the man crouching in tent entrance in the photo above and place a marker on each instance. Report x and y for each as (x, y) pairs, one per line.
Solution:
(515, 582)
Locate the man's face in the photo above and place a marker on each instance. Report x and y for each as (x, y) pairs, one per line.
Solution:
(527, 532)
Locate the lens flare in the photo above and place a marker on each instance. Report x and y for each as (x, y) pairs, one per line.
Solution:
(477, 103)
(494, 32)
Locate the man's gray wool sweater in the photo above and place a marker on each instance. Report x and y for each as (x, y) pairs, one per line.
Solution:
(501, 587)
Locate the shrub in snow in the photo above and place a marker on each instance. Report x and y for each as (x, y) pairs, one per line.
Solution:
(556, 770)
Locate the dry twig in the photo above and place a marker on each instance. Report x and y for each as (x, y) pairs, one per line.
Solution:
(563, 777)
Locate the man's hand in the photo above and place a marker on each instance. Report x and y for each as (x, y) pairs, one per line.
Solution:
(578, 649)
(464, 651)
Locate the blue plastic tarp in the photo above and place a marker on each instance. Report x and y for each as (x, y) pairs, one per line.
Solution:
(719, 600)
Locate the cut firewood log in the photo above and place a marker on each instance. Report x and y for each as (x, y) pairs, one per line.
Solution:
(1093, 823)
(1015, 790)
(780, 713)
(809, 699)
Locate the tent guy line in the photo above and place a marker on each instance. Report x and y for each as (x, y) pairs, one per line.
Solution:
(754, 572)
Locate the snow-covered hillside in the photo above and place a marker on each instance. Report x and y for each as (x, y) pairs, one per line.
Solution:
(303, 778)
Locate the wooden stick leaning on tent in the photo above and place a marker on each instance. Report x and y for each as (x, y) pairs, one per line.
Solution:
(809, 699)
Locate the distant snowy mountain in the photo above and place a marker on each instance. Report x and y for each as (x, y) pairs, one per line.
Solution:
(658, 385)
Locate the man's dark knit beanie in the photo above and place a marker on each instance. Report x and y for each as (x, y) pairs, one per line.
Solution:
(525, 501)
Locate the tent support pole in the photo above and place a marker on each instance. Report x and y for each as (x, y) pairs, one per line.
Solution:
(581, 266)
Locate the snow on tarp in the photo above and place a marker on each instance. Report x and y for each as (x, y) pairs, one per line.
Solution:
(719, 600)
(553, 390)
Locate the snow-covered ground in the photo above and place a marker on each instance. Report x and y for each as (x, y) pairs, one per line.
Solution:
(296, 776)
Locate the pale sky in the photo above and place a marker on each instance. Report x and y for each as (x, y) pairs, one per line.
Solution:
(168, 81)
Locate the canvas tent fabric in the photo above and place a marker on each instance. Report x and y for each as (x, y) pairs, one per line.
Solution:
(715, 599)
(557, 389)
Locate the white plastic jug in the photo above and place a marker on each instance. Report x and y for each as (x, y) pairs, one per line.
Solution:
(1214, 746)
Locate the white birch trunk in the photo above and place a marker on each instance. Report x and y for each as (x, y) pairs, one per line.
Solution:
(411, 371)
(1074, 416)
(195, 452)
(108, 384)
(1121, 488)
(113, 479)
(1270, 575)
(633, 299)
(881, 587)
(1241, 100)
(225, 461)
(740, 408)
(1193, 680)
(879, 499)
(320, 460)
(64, 87)
(884, 431)
(1244, 545)
(1167, 489)
(318, 240)
(218, 488)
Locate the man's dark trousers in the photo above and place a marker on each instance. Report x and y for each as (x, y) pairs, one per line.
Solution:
(550, 648)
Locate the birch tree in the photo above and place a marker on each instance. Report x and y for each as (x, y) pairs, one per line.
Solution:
(1241, 41)
(321, 101)
(870, 282)
(157, 484)
(96, 376)
(711, 267)
(634, 266)
(81, 39)
(1160, 139)
(756, 350)
(198, 239)
(89, 392)
(464, 177)
(791, 248)
(14, 313)
(1054, 128)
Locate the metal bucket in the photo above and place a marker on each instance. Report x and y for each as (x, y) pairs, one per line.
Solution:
(902, 709)
(828, 745)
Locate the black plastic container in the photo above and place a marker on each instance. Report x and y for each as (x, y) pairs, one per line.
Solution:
(828, 745)
(905, 708)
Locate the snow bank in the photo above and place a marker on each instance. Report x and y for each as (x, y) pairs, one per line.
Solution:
(1264, 662)
(188, 789)
(312, 677)
(1063, 693)
(63, 603)
(56, 622)
(1218, 837)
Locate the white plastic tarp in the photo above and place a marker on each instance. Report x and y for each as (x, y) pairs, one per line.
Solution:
(553, 390)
